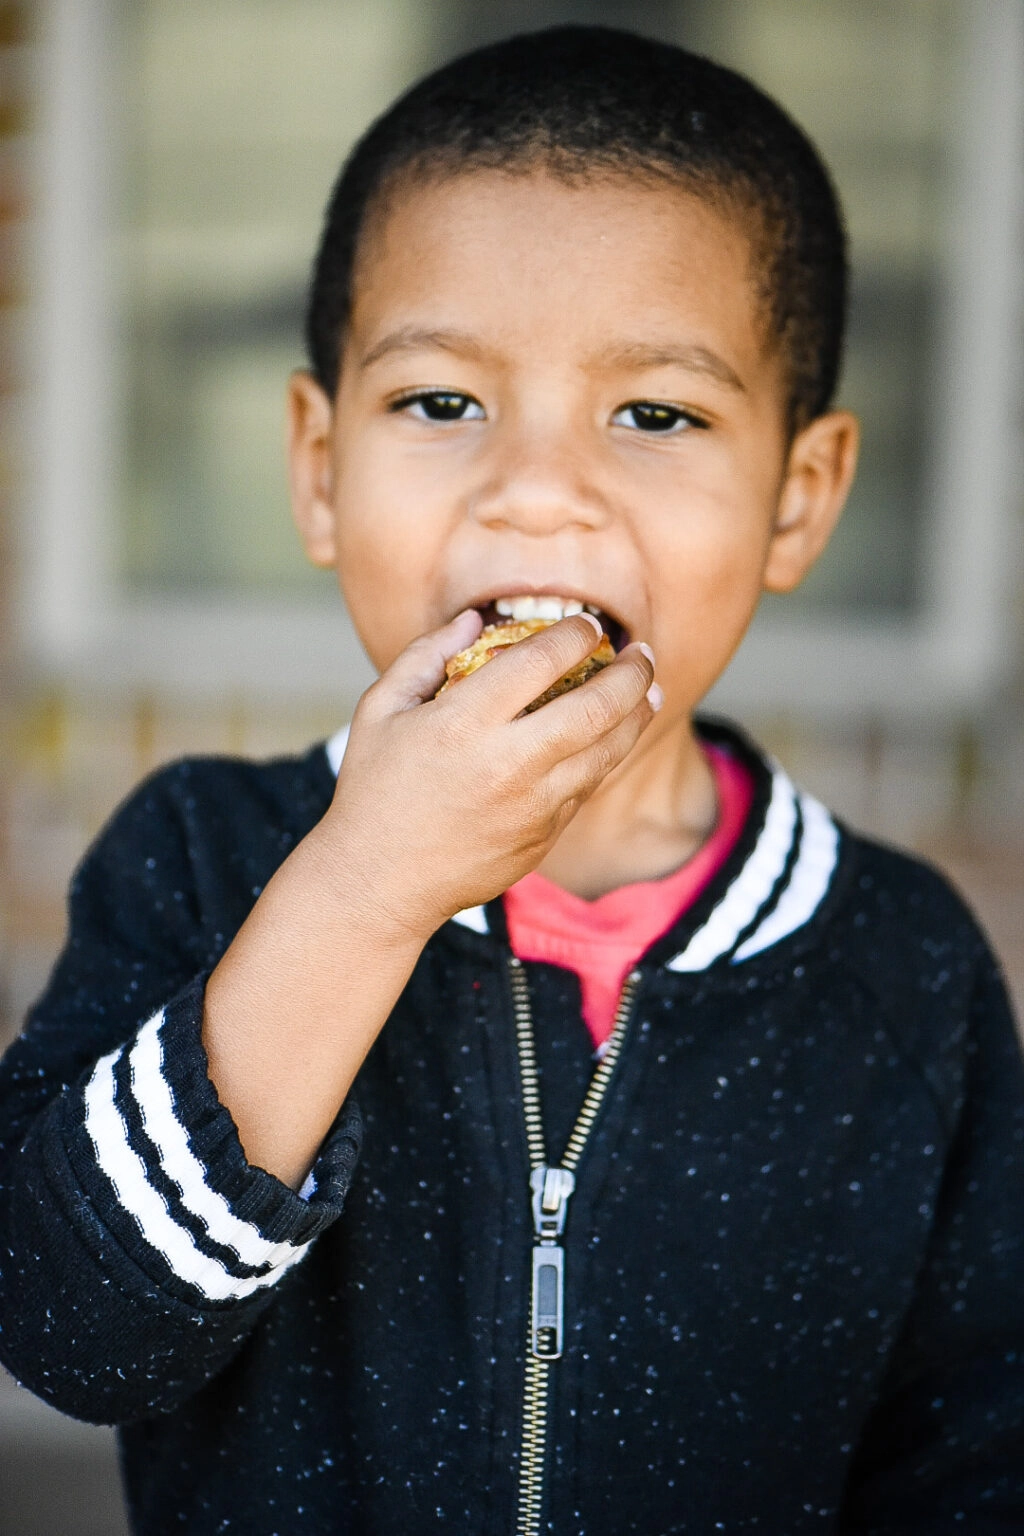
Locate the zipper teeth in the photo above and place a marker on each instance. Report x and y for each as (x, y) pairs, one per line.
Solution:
(599, 1083)
(527, 1064)
(531, 1456)
(535, 1396)
(601, 1080)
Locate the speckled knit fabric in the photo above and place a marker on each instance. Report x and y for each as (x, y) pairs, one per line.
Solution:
(794, 1259)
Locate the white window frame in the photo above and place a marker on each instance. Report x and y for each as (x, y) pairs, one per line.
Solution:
(75, 623)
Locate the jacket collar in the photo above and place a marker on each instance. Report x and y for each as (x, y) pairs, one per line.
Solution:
(771, 886)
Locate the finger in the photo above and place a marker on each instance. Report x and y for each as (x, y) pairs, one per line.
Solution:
(419, 671)
(520, 673)
(575, 778)
(570, 723)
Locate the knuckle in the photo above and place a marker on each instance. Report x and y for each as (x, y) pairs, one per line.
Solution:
(562, 646)
(504, 775)
(543, 659)
(538, 807)
(604, 759)
(506, 778)
(602, 707)
(450, 733)
(566, 811)
(639, 672)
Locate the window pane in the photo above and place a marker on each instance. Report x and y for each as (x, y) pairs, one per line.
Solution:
(237, 117)
(238, 114)
(873, 82)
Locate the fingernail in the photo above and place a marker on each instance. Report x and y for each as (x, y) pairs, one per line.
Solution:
(647, 651)
(655, 697)
(590, 618)
(459, 620)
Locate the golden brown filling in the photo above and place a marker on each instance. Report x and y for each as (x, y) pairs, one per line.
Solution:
(495, 637)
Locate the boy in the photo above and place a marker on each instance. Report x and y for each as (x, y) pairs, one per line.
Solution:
(574, 328)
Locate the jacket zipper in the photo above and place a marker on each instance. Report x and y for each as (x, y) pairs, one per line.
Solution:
(550, 1189)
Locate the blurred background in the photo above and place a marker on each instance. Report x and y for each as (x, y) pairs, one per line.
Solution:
(163, 168)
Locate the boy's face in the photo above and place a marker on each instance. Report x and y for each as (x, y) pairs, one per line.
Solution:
(566, 389)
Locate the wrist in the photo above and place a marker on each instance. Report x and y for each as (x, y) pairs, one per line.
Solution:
(357, 885)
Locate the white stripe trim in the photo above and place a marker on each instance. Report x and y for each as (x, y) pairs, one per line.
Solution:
(180, 1164)
(812, 874)
(127, 1173)
(336, 748)
(752, 886)
(472, 917)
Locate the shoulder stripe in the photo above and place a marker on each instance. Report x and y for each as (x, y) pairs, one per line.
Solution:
(810, 880)
(152, 1093)
(126, 1171)
(753, 886)
(796, 843)
(472, 917)
(335, 748)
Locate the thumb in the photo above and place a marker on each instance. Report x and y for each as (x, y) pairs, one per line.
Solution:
(417, 674)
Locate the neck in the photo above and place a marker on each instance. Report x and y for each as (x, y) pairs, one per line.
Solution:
(643, 822)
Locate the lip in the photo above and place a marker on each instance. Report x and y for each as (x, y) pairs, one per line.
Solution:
(619, 632)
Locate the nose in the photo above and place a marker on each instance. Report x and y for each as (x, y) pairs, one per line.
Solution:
(540, 480)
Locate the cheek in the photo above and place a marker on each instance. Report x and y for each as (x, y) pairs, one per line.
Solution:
(713, 537)
(710, 610)
(731, 563)
(708, 568)
(381, 581)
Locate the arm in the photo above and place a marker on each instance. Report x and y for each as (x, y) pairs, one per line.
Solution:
(944, 1450)
(137, 1245)
(153, 1128)
(440, 805)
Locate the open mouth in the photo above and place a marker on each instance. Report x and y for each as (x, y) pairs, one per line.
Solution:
(517, 609)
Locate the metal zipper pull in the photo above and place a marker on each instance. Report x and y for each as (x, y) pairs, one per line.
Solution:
(548, 1310)
(551, 1190)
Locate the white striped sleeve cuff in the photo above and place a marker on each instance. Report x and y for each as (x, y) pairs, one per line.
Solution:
(224, 1232)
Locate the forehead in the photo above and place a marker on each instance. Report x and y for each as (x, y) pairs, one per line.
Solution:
(531, 256)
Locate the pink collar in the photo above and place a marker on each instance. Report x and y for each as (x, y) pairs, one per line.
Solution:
(602, 940)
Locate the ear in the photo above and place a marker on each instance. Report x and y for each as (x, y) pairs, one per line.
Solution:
(310, 418)
(819, 472)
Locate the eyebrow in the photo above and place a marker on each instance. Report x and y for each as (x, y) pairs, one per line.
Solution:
(626, 354)
(415, 338)
(690, 356)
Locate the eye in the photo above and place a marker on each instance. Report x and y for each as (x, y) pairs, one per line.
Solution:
(440, 405)
(650, 416)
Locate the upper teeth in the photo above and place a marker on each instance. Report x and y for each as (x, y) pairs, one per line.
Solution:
(529, 607)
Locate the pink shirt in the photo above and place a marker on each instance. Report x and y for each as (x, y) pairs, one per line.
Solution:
(602, 940)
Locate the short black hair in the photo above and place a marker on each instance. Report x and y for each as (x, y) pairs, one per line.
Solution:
(580, 101)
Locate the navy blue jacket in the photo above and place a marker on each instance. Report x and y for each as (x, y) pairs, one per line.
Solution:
(794, 1266)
